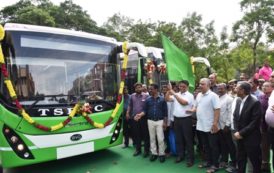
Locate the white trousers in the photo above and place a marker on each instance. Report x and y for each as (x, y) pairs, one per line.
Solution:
(155, 128)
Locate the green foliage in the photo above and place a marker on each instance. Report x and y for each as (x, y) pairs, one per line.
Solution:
(141, 32)
(43, 12)
(9, 13)
(221, 58)
(29, 14)
(242, 58)
(118, 26)
(72, 16)
(229, 55)
(193, 32)
(257, 23)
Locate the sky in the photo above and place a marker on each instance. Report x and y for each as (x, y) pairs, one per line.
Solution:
(223, 12)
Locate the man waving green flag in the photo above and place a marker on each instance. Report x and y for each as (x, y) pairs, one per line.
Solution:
(178, 64)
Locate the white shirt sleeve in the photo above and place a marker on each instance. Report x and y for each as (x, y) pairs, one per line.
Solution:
(229, 111)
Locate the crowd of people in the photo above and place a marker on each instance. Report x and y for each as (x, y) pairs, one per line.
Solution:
(230, 125)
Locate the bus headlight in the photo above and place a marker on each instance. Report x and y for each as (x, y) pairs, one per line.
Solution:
(16, 143)
(14, 139)
(26, 154)
(116, 132)
(6, 130)
(20, 147)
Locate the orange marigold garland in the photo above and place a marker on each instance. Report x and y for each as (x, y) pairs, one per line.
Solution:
(85, 110)
(162, 68)
(150, 68)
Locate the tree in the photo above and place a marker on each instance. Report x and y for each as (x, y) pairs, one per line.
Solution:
(198, 41)
(241, 56)
(9, 13)
(168, 29)
(257, 22)
(222, 60)
(29, 14)
(43, 12)
(209, 48)
(209, 41)
(72, 16)
(141, 32)
(193, 31)
(118, 26)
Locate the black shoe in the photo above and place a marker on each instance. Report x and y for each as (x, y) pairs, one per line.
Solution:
(189, 164)
(204, 165)
(145, 155)
(179, 159)
(231, 169)
(265, 167)
(162, 159)
(137, 153)
(153, 158)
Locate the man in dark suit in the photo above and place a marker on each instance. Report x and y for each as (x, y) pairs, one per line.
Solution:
(247, 128)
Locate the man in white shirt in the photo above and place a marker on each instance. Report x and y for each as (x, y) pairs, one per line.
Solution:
(208, 111)
(182, 101)
(227, 145)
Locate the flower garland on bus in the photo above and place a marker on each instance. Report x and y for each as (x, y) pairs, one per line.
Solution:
(76, 109)
(162, 68)
(150, 68)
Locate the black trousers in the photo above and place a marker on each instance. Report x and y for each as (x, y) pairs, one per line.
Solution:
(140, 133)
(211, 147)
(184, 137)
(228, 147)
(200, 145)
(166, 133)
(252, 152)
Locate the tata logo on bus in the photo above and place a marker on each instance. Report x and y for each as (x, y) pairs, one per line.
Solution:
(64, 111)
(76, 137)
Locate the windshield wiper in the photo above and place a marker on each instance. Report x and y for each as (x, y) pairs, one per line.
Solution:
(53, 98)
(36, 100)
(103, 101)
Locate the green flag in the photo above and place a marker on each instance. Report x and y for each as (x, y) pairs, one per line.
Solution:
(178, 64)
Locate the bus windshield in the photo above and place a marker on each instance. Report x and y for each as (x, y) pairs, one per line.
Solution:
(55, 69)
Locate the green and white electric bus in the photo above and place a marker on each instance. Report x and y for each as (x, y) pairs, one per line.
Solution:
(60, 93)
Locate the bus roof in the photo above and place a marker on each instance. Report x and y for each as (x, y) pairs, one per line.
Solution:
(157, 52)
(46, 29)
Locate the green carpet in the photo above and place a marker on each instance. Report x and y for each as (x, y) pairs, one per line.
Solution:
(113, 160)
